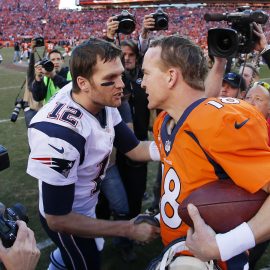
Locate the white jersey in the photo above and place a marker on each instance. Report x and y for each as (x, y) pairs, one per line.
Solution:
(69, 145)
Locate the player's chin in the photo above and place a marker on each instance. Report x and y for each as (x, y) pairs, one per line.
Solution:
(116, 102)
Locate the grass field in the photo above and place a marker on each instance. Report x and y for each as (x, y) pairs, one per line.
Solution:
(17, 186)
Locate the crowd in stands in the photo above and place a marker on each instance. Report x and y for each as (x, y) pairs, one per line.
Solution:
(23, 18)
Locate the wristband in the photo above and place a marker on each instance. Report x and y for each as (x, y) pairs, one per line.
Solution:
(267, 47)
(235, 241)
(153, 151)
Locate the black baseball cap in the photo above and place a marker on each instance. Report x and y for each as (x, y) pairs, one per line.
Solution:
(235, 80)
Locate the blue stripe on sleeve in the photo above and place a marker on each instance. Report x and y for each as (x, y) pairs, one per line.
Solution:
(64, 133)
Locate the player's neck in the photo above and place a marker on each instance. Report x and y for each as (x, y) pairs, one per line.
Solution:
(182, 101)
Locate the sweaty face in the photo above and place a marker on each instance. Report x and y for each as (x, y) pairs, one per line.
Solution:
(228, 91)
(106, 84)
(260, 98)
(154, 79)
(129, 57)
(56, 58)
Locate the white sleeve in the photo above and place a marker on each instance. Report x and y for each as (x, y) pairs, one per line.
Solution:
(52, 160)
(116, 116)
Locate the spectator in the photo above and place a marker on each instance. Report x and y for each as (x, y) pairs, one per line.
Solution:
(16, 56)
(31, 106)
(233, 85)
(47, 83)
(81, 127)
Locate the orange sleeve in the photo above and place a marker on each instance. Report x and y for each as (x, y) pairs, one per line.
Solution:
(242, 152)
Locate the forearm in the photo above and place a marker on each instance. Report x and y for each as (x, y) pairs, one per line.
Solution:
(144, 151)
(87, 227)
(260, 223)
(213, 82)
(31, 69)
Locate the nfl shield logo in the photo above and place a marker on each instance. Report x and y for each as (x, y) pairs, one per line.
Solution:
(167, 146)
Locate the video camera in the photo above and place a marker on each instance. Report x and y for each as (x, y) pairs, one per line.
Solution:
(9, 216)
(19, 104)
(161, 20)
(240, 38)
(127, 23)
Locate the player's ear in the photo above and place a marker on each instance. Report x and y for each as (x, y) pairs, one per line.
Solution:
(173, 76)
(83, 83)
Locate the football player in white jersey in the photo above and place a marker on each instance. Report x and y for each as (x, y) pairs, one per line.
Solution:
(71, 139)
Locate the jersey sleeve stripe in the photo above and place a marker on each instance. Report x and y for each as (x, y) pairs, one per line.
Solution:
(219, 171)
(64, 133)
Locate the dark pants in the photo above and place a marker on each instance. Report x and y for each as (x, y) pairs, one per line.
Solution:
(134, 176)
(77, 252)
(28, 115)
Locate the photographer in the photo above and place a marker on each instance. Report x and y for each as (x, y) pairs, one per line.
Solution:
(30, 105)
(47, 82)
(24, 254)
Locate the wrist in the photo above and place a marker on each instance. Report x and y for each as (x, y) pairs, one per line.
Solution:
(266, 48)
(154, 152)
(235, 241)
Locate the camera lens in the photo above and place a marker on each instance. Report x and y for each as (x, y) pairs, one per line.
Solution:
(224, 43)
(48, 66)
(162, 23)
(126, 26)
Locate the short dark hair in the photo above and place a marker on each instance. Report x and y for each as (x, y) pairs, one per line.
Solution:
(181, 52)
(55, 51)
(84, 58)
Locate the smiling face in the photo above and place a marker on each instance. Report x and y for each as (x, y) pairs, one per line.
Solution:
(154, 79)
(259, 97)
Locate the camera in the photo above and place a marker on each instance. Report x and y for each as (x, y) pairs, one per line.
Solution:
(39, 41)
(8, 226)
(161, 20)
(226, 42)
(47, 64)
(4, 159)
(127, 23)
(19, 104)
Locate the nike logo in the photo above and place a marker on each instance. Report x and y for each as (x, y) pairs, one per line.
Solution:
(239, 125)
(59, 150)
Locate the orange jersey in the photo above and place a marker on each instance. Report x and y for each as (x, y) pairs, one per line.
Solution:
(215, 138)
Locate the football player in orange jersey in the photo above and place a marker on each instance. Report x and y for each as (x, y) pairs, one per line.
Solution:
(196, 149)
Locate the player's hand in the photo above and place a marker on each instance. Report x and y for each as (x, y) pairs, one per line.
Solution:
(201, 239)
(262, 42)
(143, 231)
(38, 72)
(152, 220)
(112, 27)
(24, 254)
(50, 74)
